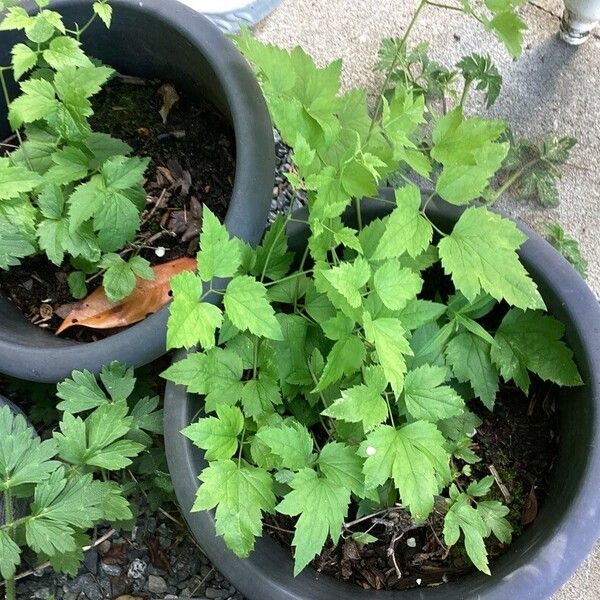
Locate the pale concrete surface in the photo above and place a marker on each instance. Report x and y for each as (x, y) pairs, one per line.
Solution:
(553, 88)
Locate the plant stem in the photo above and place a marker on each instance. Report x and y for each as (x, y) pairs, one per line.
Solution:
(394, 64)
(511, 180)
(465, 93)
(292, 276)
(447, 6)
(7, 100)
(10, 516)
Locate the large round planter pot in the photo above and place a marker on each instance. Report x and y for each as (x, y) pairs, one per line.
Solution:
(538, 561)
(166, 40)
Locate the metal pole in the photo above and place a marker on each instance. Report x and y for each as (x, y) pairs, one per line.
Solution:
(579, 19)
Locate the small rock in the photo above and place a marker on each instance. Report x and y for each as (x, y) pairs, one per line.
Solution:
(104, 547)
(90, 561)
(156, 585)
(42, 593)
(137, 569)
(171, 597)
(214, 594)
(112, 570)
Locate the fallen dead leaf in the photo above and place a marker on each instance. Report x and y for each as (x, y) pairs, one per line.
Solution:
(530, 510)
(96, 312)
(170, 98)
(116, 555)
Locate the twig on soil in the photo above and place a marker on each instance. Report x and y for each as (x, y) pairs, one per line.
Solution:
(392, 552)
(503, 488)
(203, 580)
(367, 517)
(45, 565)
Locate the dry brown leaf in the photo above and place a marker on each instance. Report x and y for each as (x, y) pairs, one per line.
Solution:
(96, 312)
(170, 98)
(530, 509)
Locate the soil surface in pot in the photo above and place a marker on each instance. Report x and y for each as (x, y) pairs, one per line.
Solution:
(192, 164)
(517, 444)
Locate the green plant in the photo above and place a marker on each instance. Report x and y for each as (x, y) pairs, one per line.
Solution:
(331, 382)
(66, 191)
(568, 246)
(69, 482)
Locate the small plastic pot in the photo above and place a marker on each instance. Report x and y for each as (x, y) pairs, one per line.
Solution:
(166, 40)
(540, 560)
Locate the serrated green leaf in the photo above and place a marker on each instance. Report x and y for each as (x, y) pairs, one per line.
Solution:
(240, 493)
(118, 379)
(65, 51)
(217, 435)
(530, 340)
(344, 358)
(493, 515)
(260, 395)
(10, 555)
(219, 255)
(248, 309)
(463, 517)
(508, 28)
(103, 146)
(104, 11)
(24, 59)
(469, 153)
(348, 279)
(97, 440)
(191, 321)
(342, 466)
(24, 458)
(71, 82)
(37, 101)
(414, 456)
(359, 404)
(292, 443)
(480, 255)
(70, 164)
(418, 312)
(16, 180)
(396, 285)
(322, 506)
(406, 229)
(469, 357)
(79, 393)
(77, 285)
(388, 337)
(427, 398)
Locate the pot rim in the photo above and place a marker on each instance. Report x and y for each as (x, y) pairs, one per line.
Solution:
(36, 355)
(536, 564)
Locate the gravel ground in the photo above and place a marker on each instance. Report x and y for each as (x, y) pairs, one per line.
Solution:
(156, 560)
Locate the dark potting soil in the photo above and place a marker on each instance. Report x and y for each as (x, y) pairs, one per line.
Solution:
(192, 165)
(517, 444)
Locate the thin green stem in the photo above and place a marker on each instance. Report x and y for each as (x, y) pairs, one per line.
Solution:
(446, 6)
(394, 64)
(297, 287)
(358, 213)
(241, 447)
(10, 516)
(7, 100)
(292, 276)
(465, 93)
(391, 414)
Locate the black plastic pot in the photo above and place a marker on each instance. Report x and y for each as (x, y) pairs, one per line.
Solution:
(540, 560)
(169, 41)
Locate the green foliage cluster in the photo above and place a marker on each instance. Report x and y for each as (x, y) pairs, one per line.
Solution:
(66, 191)
(329, 380)
(68, 483)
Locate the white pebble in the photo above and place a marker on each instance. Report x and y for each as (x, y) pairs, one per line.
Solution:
(419, 581)
(411, 542)
(371, 451)
(160, 251)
